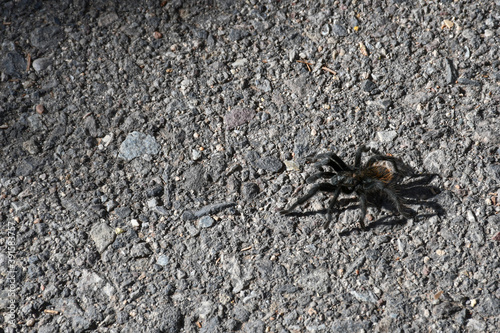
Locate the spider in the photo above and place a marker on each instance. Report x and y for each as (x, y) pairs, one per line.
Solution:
(366, 181)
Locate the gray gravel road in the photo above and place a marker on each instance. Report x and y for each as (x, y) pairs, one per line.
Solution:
(147, 147)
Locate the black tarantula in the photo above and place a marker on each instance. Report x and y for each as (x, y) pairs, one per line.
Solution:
(366, 180)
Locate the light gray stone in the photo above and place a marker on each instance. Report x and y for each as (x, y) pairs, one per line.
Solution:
(102, 235)
(137, 144)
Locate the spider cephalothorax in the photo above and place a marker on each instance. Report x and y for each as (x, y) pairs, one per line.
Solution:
(366, 181)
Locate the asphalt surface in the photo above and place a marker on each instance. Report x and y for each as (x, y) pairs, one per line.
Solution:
(146, 149)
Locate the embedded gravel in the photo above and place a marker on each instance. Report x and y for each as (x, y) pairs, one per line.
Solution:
(146, 147)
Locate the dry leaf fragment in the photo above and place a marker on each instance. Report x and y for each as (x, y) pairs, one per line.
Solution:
(363, 49)
(438, 294)
(447, 24)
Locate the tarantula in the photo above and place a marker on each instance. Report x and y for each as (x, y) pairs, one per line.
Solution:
(366, 181)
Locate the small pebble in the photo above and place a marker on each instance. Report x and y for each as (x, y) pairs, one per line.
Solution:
(134, 223)
(195, 154)
(153, 202)
(119, 231)
(137, 144)
(41, 63)
(206, 222)
(291, 165)
(387, 136)
(440, 252)
(163, 260)
(40, 109)
(339, 31)
(489, 33)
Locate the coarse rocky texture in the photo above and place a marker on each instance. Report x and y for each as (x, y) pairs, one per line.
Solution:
(177, 230)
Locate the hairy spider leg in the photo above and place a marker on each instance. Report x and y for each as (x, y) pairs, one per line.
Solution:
(331, 205)
(331, 160)
(320, 163)
(359, 152)
(325, 187)
(362, 206)
(337, 164)
(391, 194)
(402, 209)
(316, 176)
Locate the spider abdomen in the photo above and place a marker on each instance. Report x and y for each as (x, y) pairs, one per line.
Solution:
(377, 172)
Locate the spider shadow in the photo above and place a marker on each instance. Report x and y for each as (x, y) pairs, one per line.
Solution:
(386, 221)
(383, 221)
(417, 191)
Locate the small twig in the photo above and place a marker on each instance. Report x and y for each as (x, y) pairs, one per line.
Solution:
(54, 312)
(297, 190)
(29, 62)
(308, 64)
(246, 248)
(329, 70)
